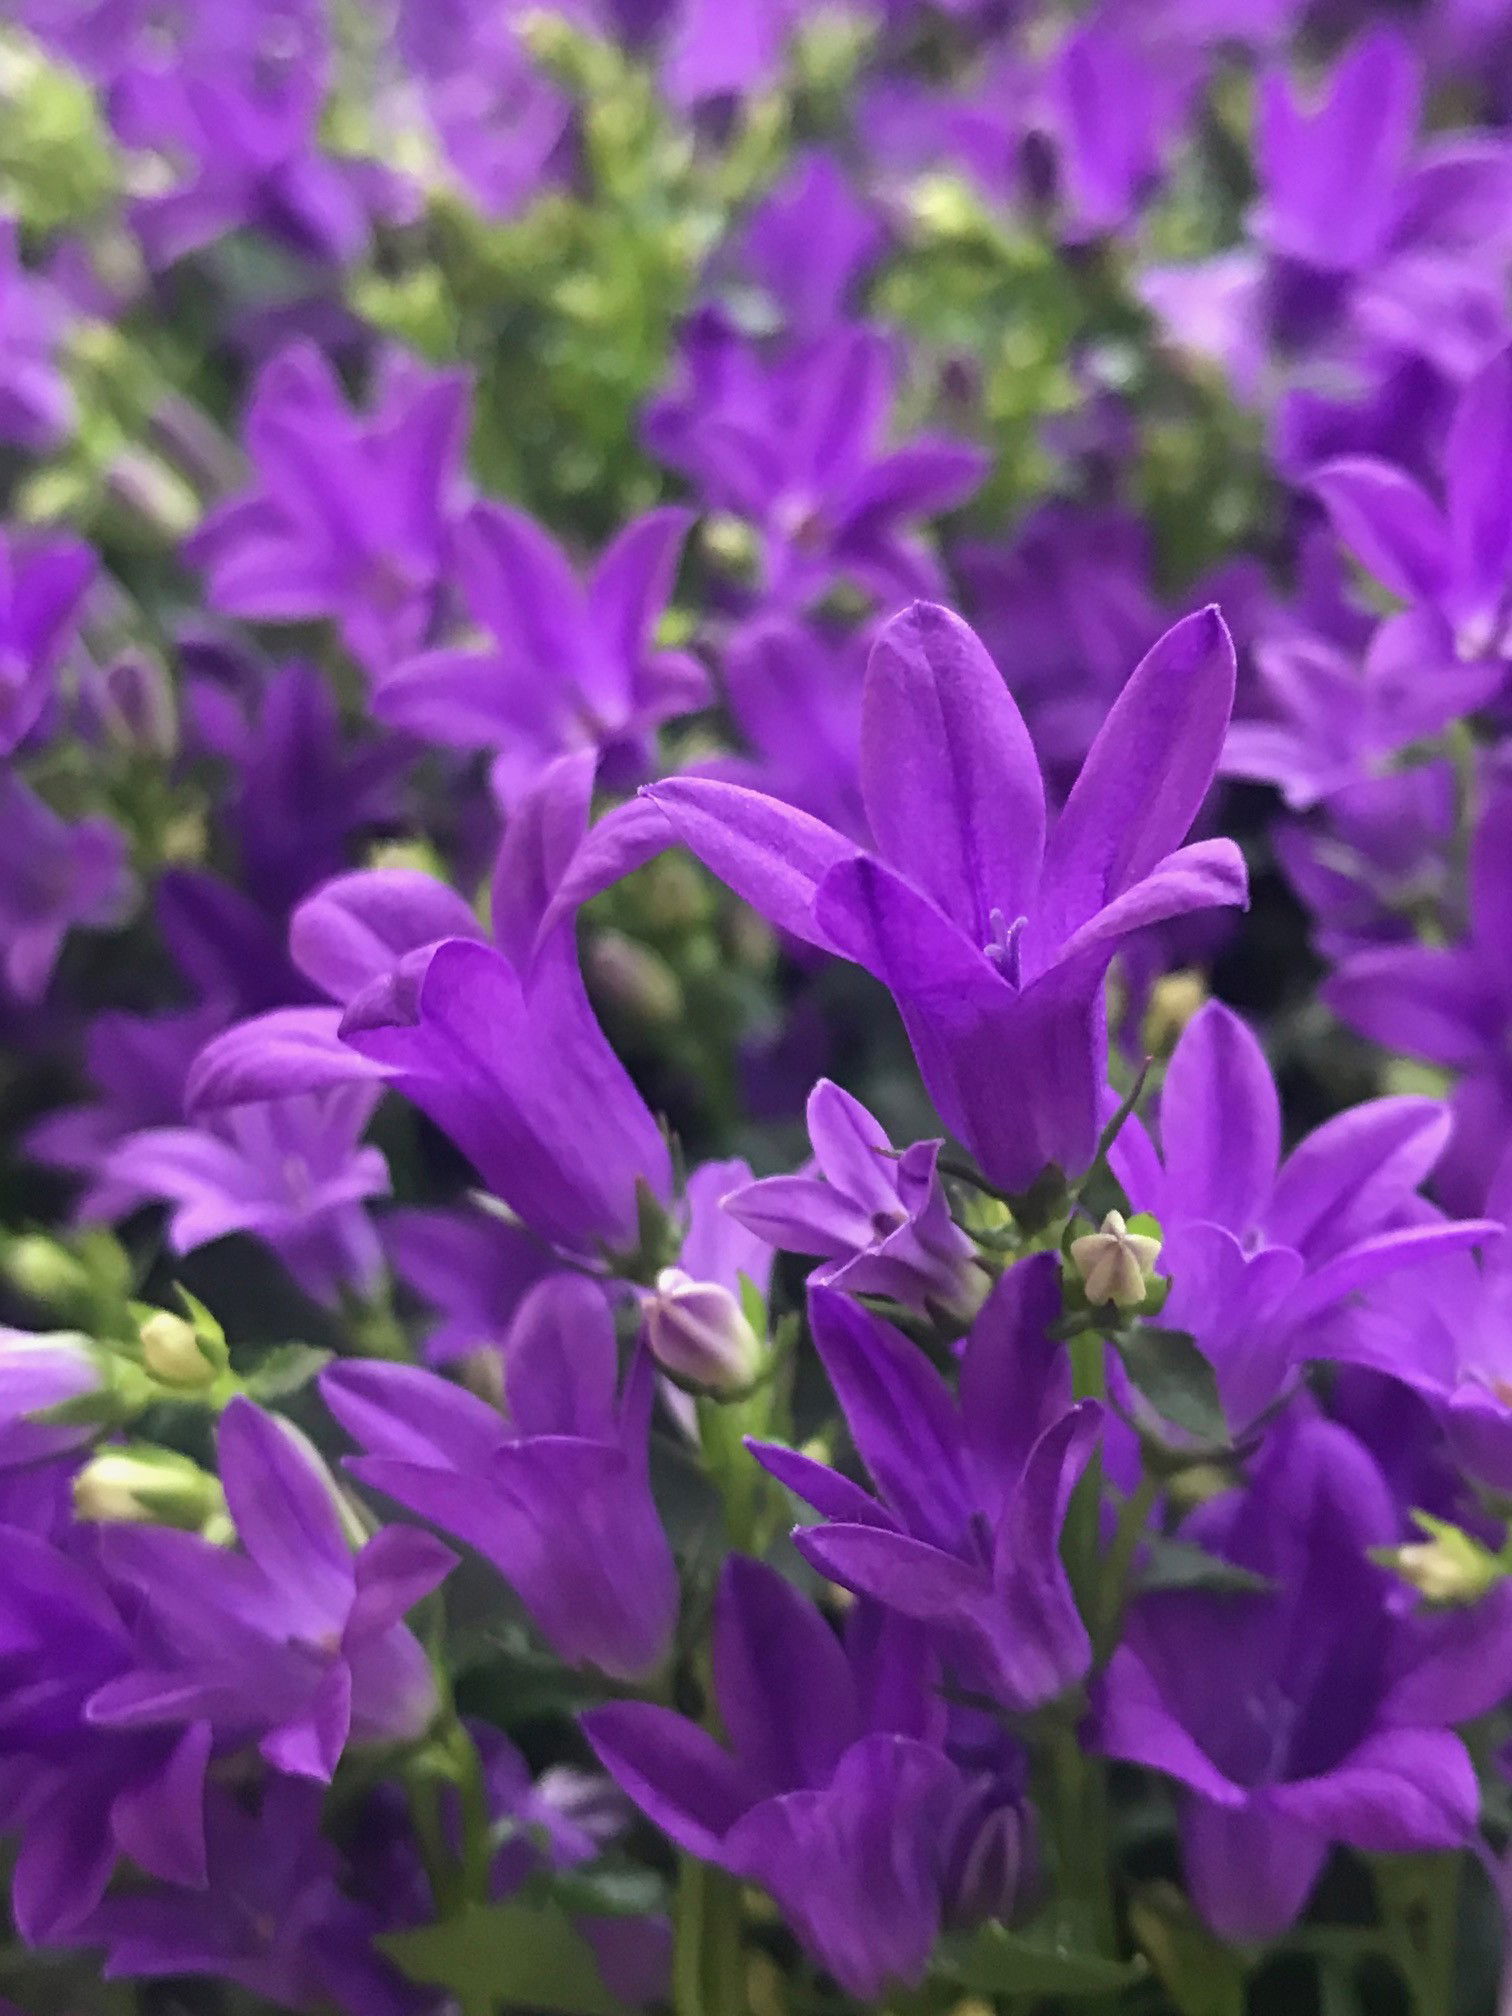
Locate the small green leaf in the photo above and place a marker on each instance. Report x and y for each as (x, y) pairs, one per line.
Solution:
(511, 1955)
(1037, 1960)
(284, 1370)
(1181, 1564)
(1179, 1383)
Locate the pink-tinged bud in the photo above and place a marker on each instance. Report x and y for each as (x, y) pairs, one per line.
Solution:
(700, 1335)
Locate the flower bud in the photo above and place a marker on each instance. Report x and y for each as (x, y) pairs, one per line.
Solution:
(1115, 1264)
(173, 1353)
(146, 1486)
(987, 1859)
(1449, 1568)
(700, 1335)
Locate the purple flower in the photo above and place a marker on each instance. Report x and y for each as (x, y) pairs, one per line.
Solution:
(570, 665)
(793, 445)
(1403, 302)
(1330, 1718)
(504, 126)
(41, 588)
(36, 405)
(795, 693)
(272, 1914)
(82, 1797)
(351, 516)
(834, 1793)
(1260, 1251)
(557, 1497)
(38, 1373)
(303, 788)
(254, 161)
(294, 1642)
(1068, 606)
(497, 1043)
(1368, 860)
(1452, 563)
(1332, 722)
(53, 876)
(880, 1220)
(1452, 1005)
(291, 1172)
(972, 1493)
(1445, 1331)
(472, 1267)
(993, 936)
(1112, 112)
(809, 241)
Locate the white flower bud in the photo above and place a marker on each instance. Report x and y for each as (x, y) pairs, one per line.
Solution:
(155, 1487)
(172, 1352)
(1115, 1264)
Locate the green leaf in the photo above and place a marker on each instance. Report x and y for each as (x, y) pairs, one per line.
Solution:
(1181, 1564)
(1036, 1960)
(607, 1889)
(284, 1370)
(511, 1955)
(1179, 1383)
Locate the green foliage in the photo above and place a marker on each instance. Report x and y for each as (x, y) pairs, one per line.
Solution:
(505, 1956)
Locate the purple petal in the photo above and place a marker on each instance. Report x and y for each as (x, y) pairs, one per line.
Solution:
(1220, 1123)
(413, 1416)
(287, 1051)
(674, 1771)
(356, 929)
(398, 1568)
(1401, 1791)
(285, 1513)
(1145, 776)
(160, 1821)
(1392, 527)
(899, 1413)
(770, 854)
(785, 1692)
(1251, 1868)
(948, 773)
(1439, 1005)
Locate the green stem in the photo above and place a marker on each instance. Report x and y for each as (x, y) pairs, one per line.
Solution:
(708, 1964)
(1435, 1987)
(477, 1845)
(424, 1792)
(1133, 1518)
(1076, 1805)
(1083, 1540)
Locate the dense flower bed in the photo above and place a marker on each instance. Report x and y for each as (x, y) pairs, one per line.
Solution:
(755, 1006)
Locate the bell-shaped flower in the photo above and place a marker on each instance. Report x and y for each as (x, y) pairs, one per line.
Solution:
(294, 1173)
(835, 1794)
(41, 588)
(1452, 1005)
(567, 664)
(1329, 1717)
(972, 1490)
(292, 1641)
(878, 1219)
(1450, 560)
(497, 1043)
(557, 1496)
(351, 516)
(1260, 1250)
(992, 933)
(53, 877)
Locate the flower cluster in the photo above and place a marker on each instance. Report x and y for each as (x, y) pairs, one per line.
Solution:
(755, 1006)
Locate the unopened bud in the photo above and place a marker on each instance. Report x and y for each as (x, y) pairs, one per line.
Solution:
(1115, 1264)
(700, 1335)
(173, 1354)
(146, 1486)
(44, 1271)
(1449, 1568)
(1174, 1000)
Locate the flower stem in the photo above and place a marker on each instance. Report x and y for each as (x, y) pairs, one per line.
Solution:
(1133, 1518)
(708, 1965)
